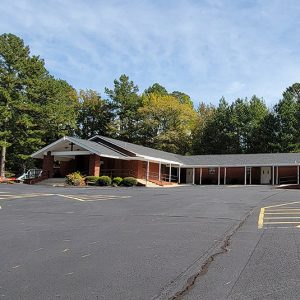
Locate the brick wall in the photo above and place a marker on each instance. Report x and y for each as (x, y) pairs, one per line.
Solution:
(48, 163)
(94, 165)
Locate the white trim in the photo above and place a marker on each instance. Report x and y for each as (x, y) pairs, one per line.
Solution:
(238, 166)
(225, 175)
(147, 171)
(47, 147)
(70, 153)
(155, 159)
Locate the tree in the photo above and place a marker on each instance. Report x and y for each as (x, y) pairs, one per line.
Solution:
(35, 108)
(247, 117)
(205, 115)
(287, 116)
(183, 98)
(156, 88)
(94, 115)
(20, 73)
(167, 124)
(125, 102)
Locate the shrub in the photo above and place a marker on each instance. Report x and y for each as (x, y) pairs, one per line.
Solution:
(75, 179)
(129, 181)
(91, 180)
(117, 181)
(104, 181)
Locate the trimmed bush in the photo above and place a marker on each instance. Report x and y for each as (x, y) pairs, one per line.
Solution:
(93, 180)
(75, 179)
(104, 181)
(129, 181)
(117, 181)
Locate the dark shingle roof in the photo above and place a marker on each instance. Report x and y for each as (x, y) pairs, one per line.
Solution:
(96, 148)
(261, 159)
(141, 150)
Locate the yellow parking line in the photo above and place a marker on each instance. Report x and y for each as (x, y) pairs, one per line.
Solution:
(282, 213)
(261, 218)
(278, 218)
(289, 222)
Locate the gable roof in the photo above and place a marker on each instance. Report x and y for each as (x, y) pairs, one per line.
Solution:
(140, 151)
(90, 146)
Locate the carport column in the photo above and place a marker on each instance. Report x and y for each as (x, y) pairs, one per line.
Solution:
(170, 170)
(245, 176)
(147, 171)
(273, 173)
(277, 175)
(225, 173)
(179, 174)
(250, 179)
(193, 175)
(159, 171)
(297, 174)
(200, 176)
(219, 175)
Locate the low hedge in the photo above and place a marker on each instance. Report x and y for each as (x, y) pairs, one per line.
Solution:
(104, 181)
(129, 181)
(91, 180)
(117, 181)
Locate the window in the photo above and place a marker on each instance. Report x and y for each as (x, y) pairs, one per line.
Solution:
(211, 171)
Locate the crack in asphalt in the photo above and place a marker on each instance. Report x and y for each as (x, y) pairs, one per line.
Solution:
(223, 249)
(205, 266)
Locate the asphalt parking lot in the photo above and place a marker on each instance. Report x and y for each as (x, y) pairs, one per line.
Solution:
(142, 243)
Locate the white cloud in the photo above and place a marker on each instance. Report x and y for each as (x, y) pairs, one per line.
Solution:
(204, 48)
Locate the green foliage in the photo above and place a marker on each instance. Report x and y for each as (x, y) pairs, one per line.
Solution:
(91, 180)
(34, 107)
(95, 116)
(75, 179)
(166, 123)
(156, 88)
(9, 174)
(125, 103)
(104, 181)
(117, 181)
(129, 181)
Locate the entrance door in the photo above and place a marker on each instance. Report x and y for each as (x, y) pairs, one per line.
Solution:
(265, 175)
(189, 175)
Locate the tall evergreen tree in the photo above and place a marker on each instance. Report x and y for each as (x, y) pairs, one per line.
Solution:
(125, 103)
(35, 108)
(94, 115)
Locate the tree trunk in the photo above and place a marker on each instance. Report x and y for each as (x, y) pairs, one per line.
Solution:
(2, 161)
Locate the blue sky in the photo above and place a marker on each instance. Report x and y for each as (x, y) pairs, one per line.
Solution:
(206, 49)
